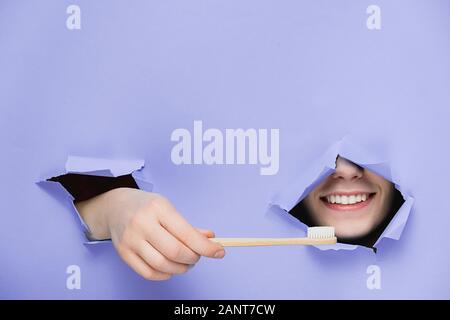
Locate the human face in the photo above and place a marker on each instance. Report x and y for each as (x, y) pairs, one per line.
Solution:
(353, 200)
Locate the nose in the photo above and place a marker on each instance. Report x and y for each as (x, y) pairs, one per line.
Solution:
(347, 170)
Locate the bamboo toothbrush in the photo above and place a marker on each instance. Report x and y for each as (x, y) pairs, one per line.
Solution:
(315, 236)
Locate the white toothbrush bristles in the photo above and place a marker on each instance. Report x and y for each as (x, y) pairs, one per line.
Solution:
(320, 232)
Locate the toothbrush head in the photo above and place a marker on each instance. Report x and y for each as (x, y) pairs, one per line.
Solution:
(321, 233)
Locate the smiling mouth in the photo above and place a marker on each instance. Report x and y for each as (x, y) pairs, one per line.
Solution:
(348, 201)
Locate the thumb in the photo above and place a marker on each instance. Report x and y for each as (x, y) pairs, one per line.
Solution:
(206, 233)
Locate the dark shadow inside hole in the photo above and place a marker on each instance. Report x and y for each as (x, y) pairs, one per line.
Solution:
(83, 187)
(301, 212)
(305, 214)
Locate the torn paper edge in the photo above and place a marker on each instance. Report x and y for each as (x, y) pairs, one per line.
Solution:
(99, 167)
(289, 197)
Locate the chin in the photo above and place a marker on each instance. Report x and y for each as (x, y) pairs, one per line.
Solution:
(353, 233)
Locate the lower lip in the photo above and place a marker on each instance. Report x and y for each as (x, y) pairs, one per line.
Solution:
(348, 207)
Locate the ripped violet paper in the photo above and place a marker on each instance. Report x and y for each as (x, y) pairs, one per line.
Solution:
(294, 193)
(98, 167)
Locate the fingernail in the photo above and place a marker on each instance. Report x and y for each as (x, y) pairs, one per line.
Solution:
(219, 254)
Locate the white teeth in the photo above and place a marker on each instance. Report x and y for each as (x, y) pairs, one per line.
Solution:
(351, 199)
(331, 199)
(344, 199)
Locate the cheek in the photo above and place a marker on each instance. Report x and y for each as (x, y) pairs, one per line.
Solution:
(316, 210)
(313, 206)
(309, 203)
(388, 193)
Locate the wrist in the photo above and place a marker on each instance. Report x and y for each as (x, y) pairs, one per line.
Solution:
(94, 215)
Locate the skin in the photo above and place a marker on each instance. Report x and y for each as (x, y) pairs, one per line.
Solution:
(147, 232)
(357, 220)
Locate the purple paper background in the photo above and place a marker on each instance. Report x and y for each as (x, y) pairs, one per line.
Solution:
(137, 70)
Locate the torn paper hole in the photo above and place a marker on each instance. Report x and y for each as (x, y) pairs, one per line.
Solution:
(98, 167)
(347, 190)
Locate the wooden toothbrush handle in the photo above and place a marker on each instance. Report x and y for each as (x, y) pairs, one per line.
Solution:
(252, 242)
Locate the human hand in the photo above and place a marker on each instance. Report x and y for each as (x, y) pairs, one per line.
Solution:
(147, 232)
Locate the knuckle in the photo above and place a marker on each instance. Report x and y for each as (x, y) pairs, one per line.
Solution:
(202, 249)
(127, 239)
(159, 263)
(164, 277)
(140, 224)
(123, 251)
(209, 251)
(137, 221)
(183, 269)
(191, 257)
(149, 274)
(174, 253)
(195, 258)
(160, 204)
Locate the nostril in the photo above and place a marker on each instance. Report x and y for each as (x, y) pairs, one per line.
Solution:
(345, 175)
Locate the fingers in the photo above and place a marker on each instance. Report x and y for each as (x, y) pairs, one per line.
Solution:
(159, 262)
(153, 238)
(142, 268)
(196, 241)
(170, 246)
